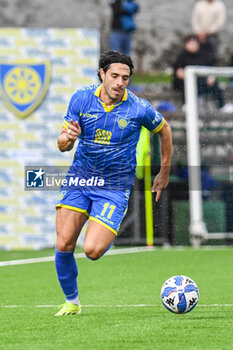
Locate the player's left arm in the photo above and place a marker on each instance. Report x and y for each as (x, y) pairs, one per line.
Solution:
(162, 179)
(154, 121)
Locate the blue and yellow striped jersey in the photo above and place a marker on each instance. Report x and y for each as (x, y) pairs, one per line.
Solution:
(107, 144)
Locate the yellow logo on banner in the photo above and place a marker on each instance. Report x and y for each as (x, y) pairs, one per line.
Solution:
(24, 86)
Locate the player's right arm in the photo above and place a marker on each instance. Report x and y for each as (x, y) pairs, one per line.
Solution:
(71, 129)
(68, 136)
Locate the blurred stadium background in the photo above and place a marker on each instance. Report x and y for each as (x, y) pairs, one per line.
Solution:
(157, 36)
(68, 37)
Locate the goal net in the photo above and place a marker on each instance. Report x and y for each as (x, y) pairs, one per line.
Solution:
(196, 157)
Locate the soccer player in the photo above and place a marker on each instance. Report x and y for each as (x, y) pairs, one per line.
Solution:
(106, 120)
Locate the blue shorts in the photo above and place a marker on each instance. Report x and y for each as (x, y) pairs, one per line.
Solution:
(106, 207)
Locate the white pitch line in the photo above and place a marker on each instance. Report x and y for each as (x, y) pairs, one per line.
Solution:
(79, 256)
(110, 252)
(30, 261)
(110, 306)
(86, 306)
(215, 305)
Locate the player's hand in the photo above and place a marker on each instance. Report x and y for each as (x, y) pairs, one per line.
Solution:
(160, 183)
(73, 131)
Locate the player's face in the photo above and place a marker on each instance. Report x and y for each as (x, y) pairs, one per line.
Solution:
(115, 80)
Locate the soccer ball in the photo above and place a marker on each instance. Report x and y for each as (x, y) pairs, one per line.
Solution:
(179, 294)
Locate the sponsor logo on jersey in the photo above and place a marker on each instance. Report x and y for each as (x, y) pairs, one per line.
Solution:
(88, 115)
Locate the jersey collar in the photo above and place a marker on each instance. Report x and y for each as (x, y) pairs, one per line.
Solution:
(110, 108)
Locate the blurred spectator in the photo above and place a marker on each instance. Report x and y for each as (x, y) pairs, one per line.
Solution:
(194, 54)
(208, 18)
(208, 183)
(122, 25)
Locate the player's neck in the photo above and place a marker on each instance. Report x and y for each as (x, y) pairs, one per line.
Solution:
(107, 99)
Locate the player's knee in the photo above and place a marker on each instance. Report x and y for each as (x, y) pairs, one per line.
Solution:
(92, 252)
(64, 245)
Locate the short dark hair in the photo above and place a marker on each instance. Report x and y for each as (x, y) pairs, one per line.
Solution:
(191, 37)
(109, 57)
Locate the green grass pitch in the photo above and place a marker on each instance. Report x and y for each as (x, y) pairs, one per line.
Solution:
(112, 291)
